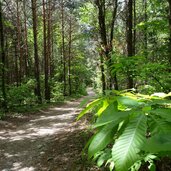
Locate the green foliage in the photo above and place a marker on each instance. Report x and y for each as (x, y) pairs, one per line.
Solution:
(21, 95)
(131, 127)
(57, 92)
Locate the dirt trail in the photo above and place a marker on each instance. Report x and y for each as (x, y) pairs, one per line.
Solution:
(44, 141)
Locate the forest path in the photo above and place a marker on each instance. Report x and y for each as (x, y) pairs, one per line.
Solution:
(45, 141)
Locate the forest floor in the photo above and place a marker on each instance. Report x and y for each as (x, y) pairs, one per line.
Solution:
(48, 140)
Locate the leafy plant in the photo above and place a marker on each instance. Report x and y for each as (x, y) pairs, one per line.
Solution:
(130, 126)
(21, 95)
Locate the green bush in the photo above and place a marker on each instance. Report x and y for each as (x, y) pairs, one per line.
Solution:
(130, 129)
(57, 92)
(21, 95)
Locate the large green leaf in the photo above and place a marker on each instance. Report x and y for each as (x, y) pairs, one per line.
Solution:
(126, 148)
(127, 101)
(89, 107)
(158, 143)
(158, 125)
(105, 105)
(101, 139)
(105, 156)
(164, 113)
(111, 115)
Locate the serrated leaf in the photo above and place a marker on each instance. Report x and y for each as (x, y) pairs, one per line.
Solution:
(146, 108)
(85, 101)
(127, 101)
(110, 115)
(105, 105)
(164, 113)
(101, 139)
(158, 125)
(104, 157)
(125, 150)
(158, 143)
(89, 107)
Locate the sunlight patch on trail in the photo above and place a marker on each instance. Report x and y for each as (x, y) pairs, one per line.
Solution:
(21, 145)
(55, 123)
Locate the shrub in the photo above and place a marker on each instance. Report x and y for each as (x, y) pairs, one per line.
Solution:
(129, 129)
(23, 94)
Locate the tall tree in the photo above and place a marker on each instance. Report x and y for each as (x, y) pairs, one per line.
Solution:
(63, 48)
(129, 25)
(2, 55)
(169, 1)
(69, 54)
(145, 29)
(36, 57)
(19, 42)
(46, 55)
(26, 55)
(106, 44)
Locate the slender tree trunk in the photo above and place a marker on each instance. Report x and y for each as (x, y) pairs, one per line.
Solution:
(16, 64)
(36, 58)
(7, 64)
(103, 79)
(130, 40)
(134, 32)
(69, 56)
(46, 63)
(19, 43)
(145, 29)
(107, 43)
(114, 78)
(2, 54)
(25, 40)
(104, 48)
(63, 48)
(170, 32)
(52, 65)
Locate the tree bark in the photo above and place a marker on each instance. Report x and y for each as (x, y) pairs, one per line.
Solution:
(130, 40)
(36, 57)
(2, 54)
(19, 43)
(145, 29)
(26, 60)
(46, 55)
(103, 79)
(69, 55)
(107, 43)
(63, 48)
(169, 59)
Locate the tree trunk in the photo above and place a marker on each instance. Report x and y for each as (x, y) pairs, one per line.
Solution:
(104, 49)
(19, 43)
(134, 32)
(145, 29)
(16, 64)
(36, 58)
(2, 54)
(107, 45)
(130, 40)
(25, 41)
(69, 55)
(103, 79)
(63, 48)
(170, 32)
(46, 63)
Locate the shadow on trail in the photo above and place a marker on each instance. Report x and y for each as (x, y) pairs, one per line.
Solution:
(49, 140)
